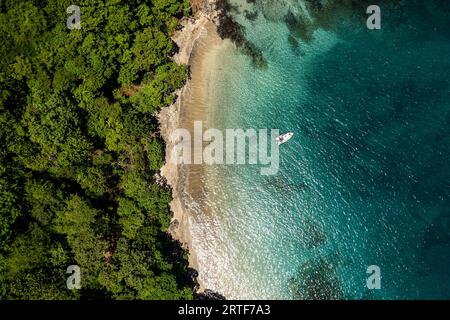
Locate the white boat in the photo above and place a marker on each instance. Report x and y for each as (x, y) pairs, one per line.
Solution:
(284, 138)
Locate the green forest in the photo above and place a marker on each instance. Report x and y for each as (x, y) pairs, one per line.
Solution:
(80, 147)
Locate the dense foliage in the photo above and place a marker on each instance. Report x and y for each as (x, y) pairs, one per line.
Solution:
(79, 149)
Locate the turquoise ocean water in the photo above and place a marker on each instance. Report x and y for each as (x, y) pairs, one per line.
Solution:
(366, 179)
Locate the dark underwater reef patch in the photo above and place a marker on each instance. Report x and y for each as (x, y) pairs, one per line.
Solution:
(331, 15)
(228, 28)
(302, 21)
(316, 280)
(251, 15)
(312, 235)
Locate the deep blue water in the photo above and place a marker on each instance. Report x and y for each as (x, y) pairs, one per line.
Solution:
(366, 179)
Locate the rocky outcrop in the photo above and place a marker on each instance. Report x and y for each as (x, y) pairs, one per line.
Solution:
(209, 295)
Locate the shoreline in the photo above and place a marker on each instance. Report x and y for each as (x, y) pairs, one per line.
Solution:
(198, 43)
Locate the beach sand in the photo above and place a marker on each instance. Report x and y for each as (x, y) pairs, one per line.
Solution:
(199, 46)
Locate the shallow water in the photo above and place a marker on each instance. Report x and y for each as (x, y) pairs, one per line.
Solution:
(365, 181)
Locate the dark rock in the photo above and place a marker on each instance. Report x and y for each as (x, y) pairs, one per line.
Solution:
(209, 295)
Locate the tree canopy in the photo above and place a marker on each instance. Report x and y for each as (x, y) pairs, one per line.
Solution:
(79, 150)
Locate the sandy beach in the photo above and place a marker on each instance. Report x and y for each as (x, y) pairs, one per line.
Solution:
(199, 44)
